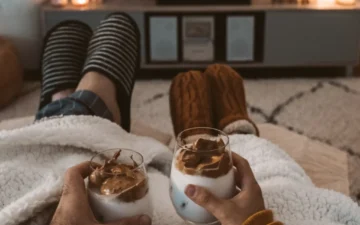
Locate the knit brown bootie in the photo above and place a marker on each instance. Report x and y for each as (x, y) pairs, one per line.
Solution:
(190, 102)
(229, 104)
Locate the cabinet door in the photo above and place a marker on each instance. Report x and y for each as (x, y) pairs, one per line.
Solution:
(240, 38)
(311, 37)
(163, 39)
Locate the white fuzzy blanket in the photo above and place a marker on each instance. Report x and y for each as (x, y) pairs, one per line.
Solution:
(33, 160)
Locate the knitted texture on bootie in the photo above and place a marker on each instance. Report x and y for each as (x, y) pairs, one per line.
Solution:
(190, 101)
(228, 97)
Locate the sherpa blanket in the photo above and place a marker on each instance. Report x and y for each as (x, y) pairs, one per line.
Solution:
(33, 160)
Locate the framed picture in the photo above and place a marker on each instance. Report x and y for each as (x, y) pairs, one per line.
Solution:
(240, 38)
(195, 28)
(204, 37)
(244, 37)
(162, 39)
(198, 38)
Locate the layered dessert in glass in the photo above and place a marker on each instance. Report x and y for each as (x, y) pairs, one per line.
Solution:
(202, 157)
(118, 186)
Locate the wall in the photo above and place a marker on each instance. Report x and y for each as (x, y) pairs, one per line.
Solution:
(20, 22)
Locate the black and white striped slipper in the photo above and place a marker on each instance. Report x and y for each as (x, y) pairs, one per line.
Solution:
(114, 51)
(63, 57)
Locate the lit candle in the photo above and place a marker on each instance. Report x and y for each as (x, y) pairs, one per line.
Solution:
(59, 2)
(80, 2)
(325, 3)
(345, 2)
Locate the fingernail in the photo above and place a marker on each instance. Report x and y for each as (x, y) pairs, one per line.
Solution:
(145, 220)
(190, 190)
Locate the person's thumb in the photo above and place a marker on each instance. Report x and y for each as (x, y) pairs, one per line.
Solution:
(136, 220)
(206, 199)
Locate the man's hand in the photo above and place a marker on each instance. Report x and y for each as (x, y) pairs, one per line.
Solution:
(74, 208)
(238, 209)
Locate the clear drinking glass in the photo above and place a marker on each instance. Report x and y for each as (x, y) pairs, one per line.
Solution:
(115, 191)
(202, 157)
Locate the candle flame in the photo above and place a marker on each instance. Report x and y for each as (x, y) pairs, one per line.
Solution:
(80, 2)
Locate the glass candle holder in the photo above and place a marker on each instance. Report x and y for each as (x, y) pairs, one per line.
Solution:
(118, 186)
(59, 3)
(346, 2)
(80, 2)
(202, 157)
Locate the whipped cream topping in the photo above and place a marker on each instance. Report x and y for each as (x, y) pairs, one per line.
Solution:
(113, 178)
(204, 157)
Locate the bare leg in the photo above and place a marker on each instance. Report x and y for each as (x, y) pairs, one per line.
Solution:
(62, 94)
(104, 88)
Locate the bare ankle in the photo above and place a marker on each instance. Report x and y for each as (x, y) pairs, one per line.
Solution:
(104, 88)
(62, 94)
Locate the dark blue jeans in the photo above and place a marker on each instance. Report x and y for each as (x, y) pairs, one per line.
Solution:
(78, 103)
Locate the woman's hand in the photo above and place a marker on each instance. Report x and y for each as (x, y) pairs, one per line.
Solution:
(238, 209)
(74, 208)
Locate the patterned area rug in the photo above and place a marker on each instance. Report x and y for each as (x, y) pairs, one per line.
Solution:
(324, 110)
(327, 110)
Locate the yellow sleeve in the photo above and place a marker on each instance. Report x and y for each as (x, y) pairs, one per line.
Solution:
(264, 217)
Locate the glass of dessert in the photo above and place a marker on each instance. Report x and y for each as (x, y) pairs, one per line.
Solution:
(118, 186)
(202, 157)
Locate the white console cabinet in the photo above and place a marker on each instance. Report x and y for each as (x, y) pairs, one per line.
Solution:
(257, 35)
